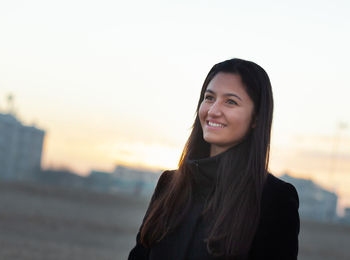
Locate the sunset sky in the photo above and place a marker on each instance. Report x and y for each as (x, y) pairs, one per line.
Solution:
(118, 81)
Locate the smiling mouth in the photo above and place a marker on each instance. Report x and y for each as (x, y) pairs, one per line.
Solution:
(215, 124)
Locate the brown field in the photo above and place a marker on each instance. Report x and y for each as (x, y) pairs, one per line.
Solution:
(40, 222)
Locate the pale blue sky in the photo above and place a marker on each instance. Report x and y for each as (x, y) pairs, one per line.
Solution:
(116, 81)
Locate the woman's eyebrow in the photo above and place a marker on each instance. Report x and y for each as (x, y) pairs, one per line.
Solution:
(227, 94)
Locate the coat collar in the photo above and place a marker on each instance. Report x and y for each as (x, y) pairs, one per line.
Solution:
(205, 171)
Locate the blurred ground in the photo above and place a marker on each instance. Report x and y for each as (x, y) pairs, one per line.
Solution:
(39, 222)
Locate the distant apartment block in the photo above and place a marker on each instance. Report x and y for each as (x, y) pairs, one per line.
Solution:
(131, 174)
(316, 203)
(124, 179)
(346, 217)
(139, 182)
(20, 148)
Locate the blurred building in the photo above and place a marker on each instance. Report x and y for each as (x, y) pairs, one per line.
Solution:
(124, 179)
(20, 148)
(139, 182)
(102, 181)
(316, 203)
(346, 218)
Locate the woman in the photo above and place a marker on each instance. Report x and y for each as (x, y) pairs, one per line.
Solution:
(221, 203)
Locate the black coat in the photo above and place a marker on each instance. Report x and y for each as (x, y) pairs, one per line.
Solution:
(276, 236)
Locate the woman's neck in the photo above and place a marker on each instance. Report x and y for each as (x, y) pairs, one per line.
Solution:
(215, 150)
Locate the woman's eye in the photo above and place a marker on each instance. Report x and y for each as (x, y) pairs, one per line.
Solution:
(232, 102)
(208, 97)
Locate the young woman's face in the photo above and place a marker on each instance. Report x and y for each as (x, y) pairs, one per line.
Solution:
(225, 112)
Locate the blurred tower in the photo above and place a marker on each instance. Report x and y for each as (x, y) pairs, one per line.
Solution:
(20, 145)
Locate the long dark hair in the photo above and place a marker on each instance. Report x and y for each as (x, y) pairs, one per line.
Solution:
(234, 207)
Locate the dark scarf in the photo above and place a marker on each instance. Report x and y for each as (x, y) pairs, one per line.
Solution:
(205, 171)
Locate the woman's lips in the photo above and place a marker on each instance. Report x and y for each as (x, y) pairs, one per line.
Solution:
(215, 125)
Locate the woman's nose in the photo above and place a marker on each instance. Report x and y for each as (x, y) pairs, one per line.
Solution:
(215, 110)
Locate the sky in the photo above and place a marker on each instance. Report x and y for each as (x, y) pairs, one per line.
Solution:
(117, 82)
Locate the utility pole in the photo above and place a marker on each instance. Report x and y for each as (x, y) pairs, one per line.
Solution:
(333, 156)
(335, 147)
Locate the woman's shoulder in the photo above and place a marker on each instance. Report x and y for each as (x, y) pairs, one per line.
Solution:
(275, 184)
(279, 226)
(165, 177)
(163, 182)
(277, 191)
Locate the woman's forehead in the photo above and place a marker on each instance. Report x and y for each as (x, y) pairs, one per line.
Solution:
(226, 84)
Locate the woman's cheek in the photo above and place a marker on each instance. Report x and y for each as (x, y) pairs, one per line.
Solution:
(202, 111)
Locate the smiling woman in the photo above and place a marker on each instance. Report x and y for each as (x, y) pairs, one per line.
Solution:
(222, 203)
(226, 113)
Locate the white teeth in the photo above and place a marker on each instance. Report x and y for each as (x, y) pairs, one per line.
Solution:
(214, 124)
